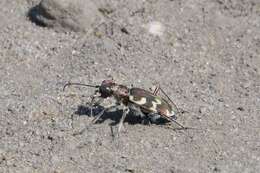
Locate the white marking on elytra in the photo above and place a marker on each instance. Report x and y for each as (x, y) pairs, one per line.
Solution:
(172, 113)
(155, 103)
(167, 113)
(142, 101)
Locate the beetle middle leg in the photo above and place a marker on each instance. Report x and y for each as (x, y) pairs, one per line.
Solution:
(137, 112)
(95, 100)
(125, 112)
(98, 117)
(111, 108)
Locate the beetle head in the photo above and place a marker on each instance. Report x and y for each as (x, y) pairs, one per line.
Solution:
(106, 88)
(109, 88)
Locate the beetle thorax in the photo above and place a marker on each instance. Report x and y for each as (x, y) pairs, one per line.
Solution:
(120, 92)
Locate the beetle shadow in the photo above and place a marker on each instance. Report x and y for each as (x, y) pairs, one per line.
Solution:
(34, 15)
(115, 116)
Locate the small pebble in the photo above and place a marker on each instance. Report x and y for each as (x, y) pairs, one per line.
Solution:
(240, 108)
(156, 28)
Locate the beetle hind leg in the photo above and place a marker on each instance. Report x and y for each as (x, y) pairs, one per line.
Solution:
(173, 119)
(155, 89)
(154, 117)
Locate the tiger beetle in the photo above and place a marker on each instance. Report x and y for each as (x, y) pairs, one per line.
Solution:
(145, 103)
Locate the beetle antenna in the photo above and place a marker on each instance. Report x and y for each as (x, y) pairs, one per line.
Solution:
(69, 84)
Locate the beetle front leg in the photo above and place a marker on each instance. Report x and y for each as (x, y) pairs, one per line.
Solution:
(95, 99)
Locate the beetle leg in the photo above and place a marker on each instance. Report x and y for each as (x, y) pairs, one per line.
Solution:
(136, 110)
(156, 89)
(102, 112)
(95, 99)
(97, 117)
(169, 99)
(125, 112)
(153, 116)
(176, 122)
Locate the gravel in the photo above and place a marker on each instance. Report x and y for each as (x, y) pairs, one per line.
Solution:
(206, 58)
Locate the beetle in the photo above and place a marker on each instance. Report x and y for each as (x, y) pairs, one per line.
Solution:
(141, 101)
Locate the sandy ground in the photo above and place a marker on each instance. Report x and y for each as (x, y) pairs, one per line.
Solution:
(207, 60)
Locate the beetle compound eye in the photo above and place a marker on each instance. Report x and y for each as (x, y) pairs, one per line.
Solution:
(108, 82)
(105, 91)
